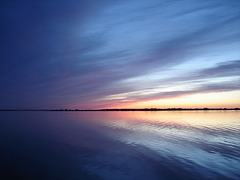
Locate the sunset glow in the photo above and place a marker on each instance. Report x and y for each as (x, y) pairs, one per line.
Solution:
(119, 54)
(211, 100)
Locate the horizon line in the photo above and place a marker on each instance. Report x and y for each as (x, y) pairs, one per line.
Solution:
(125, 109)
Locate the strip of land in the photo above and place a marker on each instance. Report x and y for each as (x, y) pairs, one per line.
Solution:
(145, 109)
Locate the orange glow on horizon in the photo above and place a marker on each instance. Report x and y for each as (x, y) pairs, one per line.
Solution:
(210, 100)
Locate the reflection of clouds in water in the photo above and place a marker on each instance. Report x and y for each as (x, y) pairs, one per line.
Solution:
(110, 166)
(174, 132)
(202, 147)
(122, 145)
(133, 145)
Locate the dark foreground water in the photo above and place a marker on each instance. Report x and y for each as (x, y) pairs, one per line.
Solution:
(120, 145)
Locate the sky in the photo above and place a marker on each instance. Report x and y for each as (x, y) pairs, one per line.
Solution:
(119, 54)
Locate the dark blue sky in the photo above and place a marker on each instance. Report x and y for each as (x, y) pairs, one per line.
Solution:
(95, 54)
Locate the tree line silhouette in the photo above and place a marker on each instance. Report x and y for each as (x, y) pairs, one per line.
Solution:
(124, 109)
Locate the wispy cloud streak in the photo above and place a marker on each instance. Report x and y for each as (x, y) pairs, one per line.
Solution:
(88, 53)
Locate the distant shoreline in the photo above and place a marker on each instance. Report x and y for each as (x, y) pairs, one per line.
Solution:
(146, 109)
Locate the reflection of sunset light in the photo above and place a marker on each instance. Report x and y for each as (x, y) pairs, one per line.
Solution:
(168, 119)
(157, 130)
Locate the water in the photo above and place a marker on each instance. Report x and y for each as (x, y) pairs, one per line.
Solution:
(120, 145)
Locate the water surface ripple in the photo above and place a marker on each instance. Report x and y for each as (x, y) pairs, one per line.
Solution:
(120, 145)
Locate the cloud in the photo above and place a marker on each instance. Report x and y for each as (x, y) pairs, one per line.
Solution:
(223, 77)
(56, 54)
(230, 68)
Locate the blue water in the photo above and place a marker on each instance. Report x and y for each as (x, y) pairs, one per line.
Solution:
(120, 145)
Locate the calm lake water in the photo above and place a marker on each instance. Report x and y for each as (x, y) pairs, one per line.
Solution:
(120, 145)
